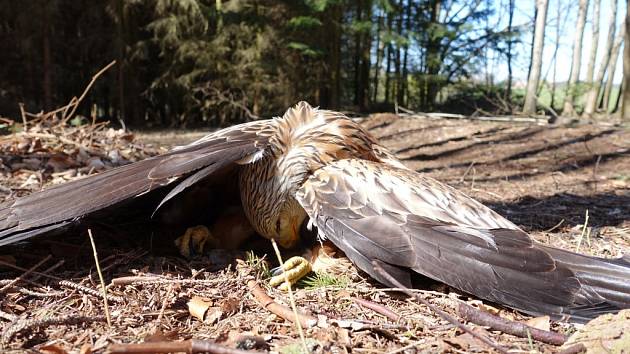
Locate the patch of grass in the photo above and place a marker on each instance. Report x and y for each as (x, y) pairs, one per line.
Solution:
(259, 264)
(322, 280)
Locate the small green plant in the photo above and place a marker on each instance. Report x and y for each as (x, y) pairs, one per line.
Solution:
(258, 264)
(321, 280)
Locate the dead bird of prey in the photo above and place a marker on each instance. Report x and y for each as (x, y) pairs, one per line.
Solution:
(320, 167)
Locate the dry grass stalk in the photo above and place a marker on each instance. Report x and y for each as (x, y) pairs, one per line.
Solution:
(100, 276)
(291, 298)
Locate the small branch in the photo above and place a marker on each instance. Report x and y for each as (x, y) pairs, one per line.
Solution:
(75, 103)
(574, 349)
(378, 308)
(191, 346)
(90, 291)
(518, 329)
(27, 272)
(22, 325)
(156, 280)
(164, 303)
(266, 302)
(433, 308)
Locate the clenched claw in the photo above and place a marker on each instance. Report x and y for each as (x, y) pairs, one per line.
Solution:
(193, 241)
(295, 269)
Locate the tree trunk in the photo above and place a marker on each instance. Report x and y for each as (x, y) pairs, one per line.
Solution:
(388, 67)
(625, 102)
(536, 62)
(46, 65)
(569, 97)
(434, 60)
(612, 67)
(555, 56)
(120, 58)
(364, 74)
(398, 57)
(508, 89)
(357, 56)
(593, 92)
(405, 83)
(590, 69)
(380, 48)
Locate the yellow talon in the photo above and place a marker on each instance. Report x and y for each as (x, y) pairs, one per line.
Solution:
(193, 240)
(295, 269)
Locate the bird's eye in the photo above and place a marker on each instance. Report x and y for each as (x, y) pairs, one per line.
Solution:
(278, 225)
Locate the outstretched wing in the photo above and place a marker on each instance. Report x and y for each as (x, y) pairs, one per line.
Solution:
(410, 222)
(61, 204)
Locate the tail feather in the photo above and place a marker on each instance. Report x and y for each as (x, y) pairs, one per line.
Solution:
(605, 283)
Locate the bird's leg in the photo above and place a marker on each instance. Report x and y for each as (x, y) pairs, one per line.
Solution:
(321, 258)
(295, 268)
(229, 231)
(193, 240)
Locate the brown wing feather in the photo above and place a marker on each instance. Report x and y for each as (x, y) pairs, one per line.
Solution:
(58, 205)
(411, 222)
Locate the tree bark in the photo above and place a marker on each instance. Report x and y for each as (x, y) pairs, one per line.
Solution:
(555, 55)
(380, 48)
(434, 58)
(590, 69)
(625, 102)
(364, 93)
(398, 57)
(569, 97)
(388, 67)
(46, 65)
(593, 92)
(612, 67)
(508, 89)
(405, 83)
(536, 62)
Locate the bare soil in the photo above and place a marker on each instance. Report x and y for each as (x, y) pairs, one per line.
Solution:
(546, 179)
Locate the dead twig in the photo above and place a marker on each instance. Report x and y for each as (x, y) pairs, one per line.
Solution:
(378, 308)
(23, 275)
(518, 329)
(443, 314)
(266, 302)
(156, 280)
(23, 325)
(76, 101)
(574, 349)
(90, 291)
(164, 303)
(188, 346)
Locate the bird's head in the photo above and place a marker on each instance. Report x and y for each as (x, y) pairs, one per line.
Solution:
(287, 224)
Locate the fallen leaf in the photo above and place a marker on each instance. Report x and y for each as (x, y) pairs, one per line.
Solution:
(541, 322)
(609, 333)
(198, 307)
(230, 305)
(213, 315)
(53, 349)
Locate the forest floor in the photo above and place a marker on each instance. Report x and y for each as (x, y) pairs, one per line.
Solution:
(550, 180)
